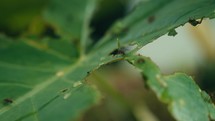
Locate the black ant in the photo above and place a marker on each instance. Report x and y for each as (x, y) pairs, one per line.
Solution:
(118, 52)
(151, 19)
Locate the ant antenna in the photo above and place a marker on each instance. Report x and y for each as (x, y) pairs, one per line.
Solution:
(118, 43)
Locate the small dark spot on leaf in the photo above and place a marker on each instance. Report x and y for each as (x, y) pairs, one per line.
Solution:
(141, 60)
(7, 101)
(195, 22)
(64, 90)
(151, 19)
(88, 73)
(172, 33)
(145, 78)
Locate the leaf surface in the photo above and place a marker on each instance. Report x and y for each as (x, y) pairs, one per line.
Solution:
(44, 82)
(186, 101)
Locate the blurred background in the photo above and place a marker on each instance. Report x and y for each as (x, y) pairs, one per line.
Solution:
(126, 98)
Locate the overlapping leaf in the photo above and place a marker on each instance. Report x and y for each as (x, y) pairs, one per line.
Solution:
(154, 18)
(186, 101)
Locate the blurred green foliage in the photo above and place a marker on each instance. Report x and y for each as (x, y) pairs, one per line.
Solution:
(17, 15)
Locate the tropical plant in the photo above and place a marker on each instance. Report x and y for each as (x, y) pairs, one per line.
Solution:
(44, 63)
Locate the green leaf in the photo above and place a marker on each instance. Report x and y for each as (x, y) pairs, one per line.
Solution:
(186, 101)
(17, 15)
(154, 18)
